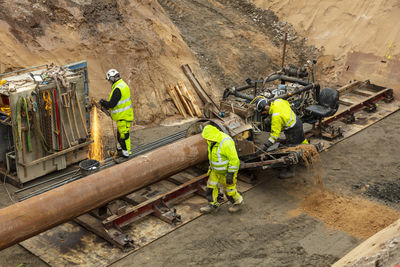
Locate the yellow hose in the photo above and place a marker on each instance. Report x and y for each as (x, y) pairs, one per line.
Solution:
(259, 96)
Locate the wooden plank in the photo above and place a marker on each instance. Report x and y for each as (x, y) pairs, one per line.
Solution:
(183, 101)
(345, 102)
(197, 86)
(349, 87)
(192, 98)
(176, 101)
(185, 95)
(180, 178)
(362, 92)
(191, 106)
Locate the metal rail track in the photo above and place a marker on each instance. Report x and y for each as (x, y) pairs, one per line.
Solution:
(108, 162)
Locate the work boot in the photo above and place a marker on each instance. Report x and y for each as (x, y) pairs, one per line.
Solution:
(286, 173)
(235, 207)
(209, 209)
(122, 159)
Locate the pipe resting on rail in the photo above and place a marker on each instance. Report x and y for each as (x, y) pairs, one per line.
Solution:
(37, 214)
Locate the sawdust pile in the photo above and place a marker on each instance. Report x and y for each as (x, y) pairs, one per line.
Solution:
(356, 216)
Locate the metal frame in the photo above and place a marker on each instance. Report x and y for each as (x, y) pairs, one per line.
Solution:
(386, 95)
(159, 206)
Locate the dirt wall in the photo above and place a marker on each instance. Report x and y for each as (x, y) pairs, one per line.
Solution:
(359, 38)
(135, 37)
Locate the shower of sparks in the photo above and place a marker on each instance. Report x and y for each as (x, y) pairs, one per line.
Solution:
(96, 148)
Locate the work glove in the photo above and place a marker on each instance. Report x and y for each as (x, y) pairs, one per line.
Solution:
(268, 144)
(103, 102)
(229, 178)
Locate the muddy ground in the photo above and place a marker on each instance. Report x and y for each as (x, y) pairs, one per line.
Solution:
(281, 223)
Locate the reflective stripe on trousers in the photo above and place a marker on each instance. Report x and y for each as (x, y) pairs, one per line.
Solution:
(220, 178)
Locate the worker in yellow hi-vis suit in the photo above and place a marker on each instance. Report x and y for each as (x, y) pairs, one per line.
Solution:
(283, 119)
(120, 105)
(224, 166)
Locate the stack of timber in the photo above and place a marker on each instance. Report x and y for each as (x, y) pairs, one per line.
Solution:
(184, 100)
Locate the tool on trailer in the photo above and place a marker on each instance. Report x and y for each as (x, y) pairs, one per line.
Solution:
(39, 136)
(67, 105)
(24, 153)
(20, 114)
(60, 111)
(66, 135)
(6, 110)
(48, 130)
(74, 93)
(58, 120)
(74, 115)
(46, 120)
(32, 107)
(47, 100)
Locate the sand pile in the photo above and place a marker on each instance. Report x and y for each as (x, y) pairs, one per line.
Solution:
(356, 216)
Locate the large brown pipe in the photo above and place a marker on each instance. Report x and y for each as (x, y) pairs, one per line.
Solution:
(37, 214)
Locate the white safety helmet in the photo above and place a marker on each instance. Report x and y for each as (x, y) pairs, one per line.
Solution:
(112, 75)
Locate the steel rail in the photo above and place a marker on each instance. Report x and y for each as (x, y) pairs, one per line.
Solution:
(106, 163)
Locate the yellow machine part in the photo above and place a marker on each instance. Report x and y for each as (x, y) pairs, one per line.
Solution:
(6, 110)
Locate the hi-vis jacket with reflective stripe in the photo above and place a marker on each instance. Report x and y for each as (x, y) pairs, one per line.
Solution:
(123, 110)
(282, 118)
(221, 150)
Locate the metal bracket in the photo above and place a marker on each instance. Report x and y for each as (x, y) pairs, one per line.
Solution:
(122, 240)
(162, 211)
(370, 107)
(350, 118)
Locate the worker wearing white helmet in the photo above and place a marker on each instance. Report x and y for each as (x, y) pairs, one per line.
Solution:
(120, 105)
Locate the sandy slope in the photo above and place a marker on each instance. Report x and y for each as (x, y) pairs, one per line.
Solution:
(342, 28)
(135, 37)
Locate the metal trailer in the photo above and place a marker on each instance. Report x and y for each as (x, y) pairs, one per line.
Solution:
(56, 132)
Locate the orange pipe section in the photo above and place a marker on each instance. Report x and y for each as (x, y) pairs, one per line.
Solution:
(37, 214)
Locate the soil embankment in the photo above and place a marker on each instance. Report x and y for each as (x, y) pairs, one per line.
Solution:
(358, 39)
(134, 37)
